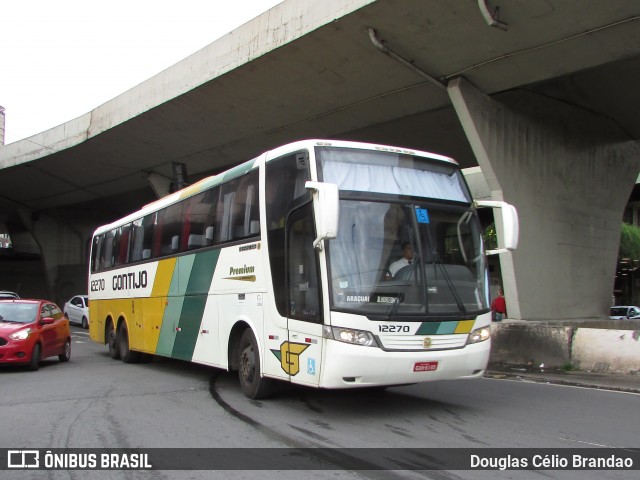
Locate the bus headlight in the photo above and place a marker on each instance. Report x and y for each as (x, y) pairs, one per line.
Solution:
(479, 335)
(350, 335)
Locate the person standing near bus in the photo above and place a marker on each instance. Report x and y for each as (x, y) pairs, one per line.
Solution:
(499, 307)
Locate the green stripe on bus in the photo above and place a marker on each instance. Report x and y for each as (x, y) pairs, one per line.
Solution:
(238, 170)
(169, 322)
(175, 301)
(210, 182)
(195, 300)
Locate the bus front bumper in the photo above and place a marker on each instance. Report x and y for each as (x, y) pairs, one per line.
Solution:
(349, 366)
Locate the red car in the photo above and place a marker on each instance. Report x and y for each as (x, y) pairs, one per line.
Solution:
(31, 330)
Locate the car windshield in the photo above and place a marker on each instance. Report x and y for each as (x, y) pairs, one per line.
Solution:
(18, 312)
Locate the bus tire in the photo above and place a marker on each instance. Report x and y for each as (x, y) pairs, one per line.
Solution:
(252, 384)
(126, 354)
(112, 341)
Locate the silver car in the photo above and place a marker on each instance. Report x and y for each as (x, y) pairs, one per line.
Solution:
(76, 310)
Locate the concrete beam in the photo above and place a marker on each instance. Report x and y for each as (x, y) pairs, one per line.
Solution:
(569, 172)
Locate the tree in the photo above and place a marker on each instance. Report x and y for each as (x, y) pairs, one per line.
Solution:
(629, 243)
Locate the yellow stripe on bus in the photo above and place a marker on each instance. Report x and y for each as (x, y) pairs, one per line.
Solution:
(464, 326)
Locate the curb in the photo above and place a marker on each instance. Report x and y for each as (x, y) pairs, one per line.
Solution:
(579, 379)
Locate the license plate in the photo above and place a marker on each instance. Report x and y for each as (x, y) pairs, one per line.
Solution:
(425, 366)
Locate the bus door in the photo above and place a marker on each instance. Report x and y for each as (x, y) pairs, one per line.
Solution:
(302, 355)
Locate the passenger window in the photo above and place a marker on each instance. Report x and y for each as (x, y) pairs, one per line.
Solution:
(141, 238)
(200, 220)
(109, 248)
(96, 252)
(122, 258)
(170, 229)
(238, 208)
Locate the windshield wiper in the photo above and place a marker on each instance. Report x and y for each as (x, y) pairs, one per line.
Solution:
(447, 278)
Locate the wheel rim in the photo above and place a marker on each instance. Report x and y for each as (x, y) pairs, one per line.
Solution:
(124, 347)
(247, 364)
(67, 349)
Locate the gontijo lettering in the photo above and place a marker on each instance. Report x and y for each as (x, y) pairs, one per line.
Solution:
(126, 281)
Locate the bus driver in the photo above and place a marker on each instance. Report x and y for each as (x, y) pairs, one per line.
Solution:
(406, 259)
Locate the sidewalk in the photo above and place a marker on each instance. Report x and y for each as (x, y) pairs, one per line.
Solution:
(606, 381)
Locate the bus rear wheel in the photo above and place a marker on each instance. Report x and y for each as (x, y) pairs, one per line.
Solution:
(126, 354)
(252, 384)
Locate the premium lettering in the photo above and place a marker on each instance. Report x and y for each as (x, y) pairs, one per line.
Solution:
(241, 270)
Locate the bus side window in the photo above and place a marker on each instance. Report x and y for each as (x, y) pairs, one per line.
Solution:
(110, 241)
(141, 236)
(197, 231)
(170, 223)
(302, 261)
(96, 260)
(226, 218)
(122, 258)
(284, 185)
(238, 211)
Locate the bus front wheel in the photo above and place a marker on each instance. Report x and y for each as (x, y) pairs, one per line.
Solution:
(253, 385)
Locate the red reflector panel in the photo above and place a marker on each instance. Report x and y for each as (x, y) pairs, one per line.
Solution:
(425, 366)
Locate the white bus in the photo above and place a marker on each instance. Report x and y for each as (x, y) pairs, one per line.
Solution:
(280, 268)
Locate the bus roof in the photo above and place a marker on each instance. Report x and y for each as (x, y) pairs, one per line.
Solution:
(245, 167)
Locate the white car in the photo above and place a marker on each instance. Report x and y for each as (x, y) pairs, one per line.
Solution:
(76, 310)
(624, 312)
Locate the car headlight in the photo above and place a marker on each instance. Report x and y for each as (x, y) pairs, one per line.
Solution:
(20, 335)
(479, 335)
(350, 335)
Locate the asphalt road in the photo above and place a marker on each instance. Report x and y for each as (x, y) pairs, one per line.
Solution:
(96, 402)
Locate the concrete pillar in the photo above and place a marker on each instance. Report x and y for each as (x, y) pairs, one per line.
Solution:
(569, 172)
(161, 185)
(64, 252)
(2, 128)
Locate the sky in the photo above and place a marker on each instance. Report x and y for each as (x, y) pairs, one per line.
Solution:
(60, 59)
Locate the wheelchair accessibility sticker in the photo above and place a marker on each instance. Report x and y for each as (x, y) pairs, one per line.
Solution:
(311, 366)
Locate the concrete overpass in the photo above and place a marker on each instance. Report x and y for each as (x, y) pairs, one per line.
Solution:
(541, 95)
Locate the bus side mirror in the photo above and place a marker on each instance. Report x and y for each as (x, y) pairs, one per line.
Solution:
(327, 210)
(510, 225)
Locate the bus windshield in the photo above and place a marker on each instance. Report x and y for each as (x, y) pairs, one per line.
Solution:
(408, 244)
